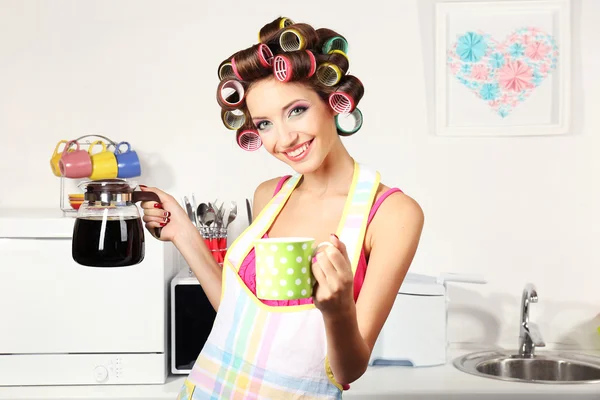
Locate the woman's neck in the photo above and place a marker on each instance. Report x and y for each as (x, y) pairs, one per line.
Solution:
(334, 176)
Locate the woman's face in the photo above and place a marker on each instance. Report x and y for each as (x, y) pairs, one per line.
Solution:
(294, 124)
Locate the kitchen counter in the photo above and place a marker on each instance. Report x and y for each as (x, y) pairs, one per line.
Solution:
(441, 382)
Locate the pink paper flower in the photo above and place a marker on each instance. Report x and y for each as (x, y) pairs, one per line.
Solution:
(544, 68)
(515, 76)
(537, 50)
(479, 72)
(454, 68)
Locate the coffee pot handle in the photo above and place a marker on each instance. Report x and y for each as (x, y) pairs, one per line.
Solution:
(147, 196)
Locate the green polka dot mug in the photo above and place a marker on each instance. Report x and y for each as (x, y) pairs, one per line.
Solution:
(283, 268)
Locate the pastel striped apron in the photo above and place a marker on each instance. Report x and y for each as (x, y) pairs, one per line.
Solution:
(256, 351)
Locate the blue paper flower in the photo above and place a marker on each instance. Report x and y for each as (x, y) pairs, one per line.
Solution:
(497, 60)
(489, 91)
(516, 50)
(471, 47)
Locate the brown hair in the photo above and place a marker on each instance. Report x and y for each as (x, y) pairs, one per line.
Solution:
(317, 58)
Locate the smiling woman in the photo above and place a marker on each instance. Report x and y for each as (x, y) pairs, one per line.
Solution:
(291, 94)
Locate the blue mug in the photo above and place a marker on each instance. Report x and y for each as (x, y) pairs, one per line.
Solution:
(128, 162)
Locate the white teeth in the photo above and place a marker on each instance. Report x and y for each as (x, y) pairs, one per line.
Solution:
(298, 151)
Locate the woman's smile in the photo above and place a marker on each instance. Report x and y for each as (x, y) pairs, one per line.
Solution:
(299, 152)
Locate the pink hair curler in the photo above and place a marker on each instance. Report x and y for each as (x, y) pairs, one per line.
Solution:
(341, 102)
(282, 68)
(313, 63)
(249, 140)
(231, 94)
(265, 55)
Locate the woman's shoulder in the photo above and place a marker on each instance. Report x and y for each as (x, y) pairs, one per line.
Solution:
(264, 192)
(396, 203)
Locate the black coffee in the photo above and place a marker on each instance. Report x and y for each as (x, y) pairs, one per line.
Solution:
(108, 243)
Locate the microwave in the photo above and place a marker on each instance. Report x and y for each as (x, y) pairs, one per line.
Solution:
(192, 318)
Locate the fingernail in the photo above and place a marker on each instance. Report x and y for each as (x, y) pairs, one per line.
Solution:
(334, 235)
(167, 220)
(144, 186)
(314, 260)
(157, 205)
(163, 223)
(167, 214)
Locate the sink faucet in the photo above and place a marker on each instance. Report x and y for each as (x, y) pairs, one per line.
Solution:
(529, 333)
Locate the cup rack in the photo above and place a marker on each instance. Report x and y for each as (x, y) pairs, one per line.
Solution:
(65, 187)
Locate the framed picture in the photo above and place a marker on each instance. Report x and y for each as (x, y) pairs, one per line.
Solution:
(502, 68)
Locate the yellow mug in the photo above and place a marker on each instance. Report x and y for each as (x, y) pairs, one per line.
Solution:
(104, 163)
(56, 158)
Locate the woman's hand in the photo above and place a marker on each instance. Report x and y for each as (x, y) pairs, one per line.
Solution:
(334, 291)
(167, 215)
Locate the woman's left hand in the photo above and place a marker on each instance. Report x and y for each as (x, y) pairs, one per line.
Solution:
(334, 291)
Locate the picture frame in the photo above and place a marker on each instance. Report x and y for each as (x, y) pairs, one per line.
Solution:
(503, 68)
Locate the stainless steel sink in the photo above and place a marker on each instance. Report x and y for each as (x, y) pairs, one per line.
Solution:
(551, 367)
(524, 365)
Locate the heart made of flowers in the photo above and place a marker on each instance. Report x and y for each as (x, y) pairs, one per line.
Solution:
(505, 73)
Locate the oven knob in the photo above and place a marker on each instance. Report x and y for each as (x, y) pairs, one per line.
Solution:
(101, 373)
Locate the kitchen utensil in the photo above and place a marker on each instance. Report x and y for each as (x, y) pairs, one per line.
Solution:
(75, 163)
(249, 212)
(104, 163)
(56, 158)
(108, 229)
(128, 162)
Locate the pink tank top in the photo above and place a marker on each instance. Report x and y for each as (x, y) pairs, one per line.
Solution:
(248, 268)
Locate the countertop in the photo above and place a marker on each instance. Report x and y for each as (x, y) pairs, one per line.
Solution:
(441, 382)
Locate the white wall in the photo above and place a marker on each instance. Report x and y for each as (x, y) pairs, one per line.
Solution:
(514, 209)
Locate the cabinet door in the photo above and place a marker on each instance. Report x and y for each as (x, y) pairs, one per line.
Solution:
(51, 304)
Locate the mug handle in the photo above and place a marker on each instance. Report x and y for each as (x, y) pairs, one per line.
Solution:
(94, 144)
(138, 195)
(118, 148)
(58, 145)
(68, 146)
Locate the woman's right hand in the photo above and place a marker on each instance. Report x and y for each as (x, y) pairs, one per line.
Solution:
(167, 215)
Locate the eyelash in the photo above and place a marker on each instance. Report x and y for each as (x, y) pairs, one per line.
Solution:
(302, 108)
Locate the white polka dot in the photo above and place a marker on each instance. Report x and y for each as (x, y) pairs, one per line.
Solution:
(268, 282)
(303, 292)
(290, 247)
(290, 271)
(263, 293)
(299, 259)
(298, 281)
(304, 246)
(308, 280)
(262, 270)
(283, 260)
(290, 293)
(258, 281)
(283, 282)
(261, 247)
(275, 293)
(273, 247)
(303, 270)
(274, 271)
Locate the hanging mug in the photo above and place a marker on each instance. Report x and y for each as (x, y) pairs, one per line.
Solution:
(56, 158)
(75, 163)
(128, 162)
(104, 163)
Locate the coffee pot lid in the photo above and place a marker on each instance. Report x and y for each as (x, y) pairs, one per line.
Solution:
(113, 186)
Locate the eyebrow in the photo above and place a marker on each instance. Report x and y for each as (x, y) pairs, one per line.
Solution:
(288, 105)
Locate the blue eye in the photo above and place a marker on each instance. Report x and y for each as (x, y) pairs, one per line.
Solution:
(298, 110)
(262, 125)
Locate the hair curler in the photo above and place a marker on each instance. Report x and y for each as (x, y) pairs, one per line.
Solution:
(328, 74)
(348, 124)
(335, 43)
(249, 140)
(265, 55)
(282, 68)
(341, 102)
(230, 94)
(235, 70)
(291, 40)
(233, 119)
(225, 70)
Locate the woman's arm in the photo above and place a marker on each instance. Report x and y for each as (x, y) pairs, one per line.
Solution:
(351, 333)
(178, 228)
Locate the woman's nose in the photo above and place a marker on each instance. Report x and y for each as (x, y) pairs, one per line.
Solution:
(287, 137)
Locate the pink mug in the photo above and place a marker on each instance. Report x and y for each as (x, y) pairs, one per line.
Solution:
(76, 163)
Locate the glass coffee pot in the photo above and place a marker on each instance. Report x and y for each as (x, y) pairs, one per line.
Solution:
(108, 230)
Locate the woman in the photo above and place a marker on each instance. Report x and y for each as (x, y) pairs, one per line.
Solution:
(288, 91)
